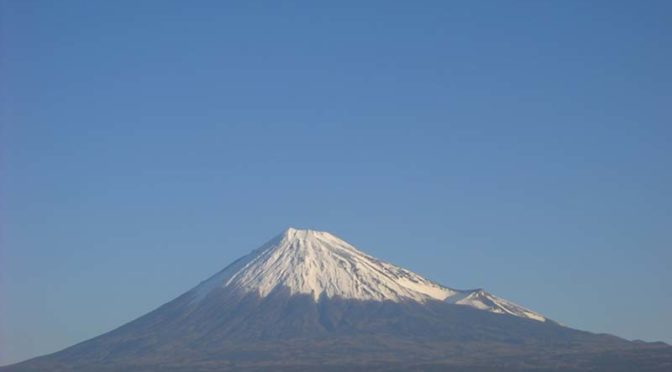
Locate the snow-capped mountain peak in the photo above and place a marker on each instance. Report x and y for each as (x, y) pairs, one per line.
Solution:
(318, 264)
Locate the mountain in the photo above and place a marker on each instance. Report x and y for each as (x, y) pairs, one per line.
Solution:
(318, 264)
(308, 300)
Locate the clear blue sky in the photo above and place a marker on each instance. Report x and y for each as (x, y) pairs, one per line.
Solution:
(524, 147)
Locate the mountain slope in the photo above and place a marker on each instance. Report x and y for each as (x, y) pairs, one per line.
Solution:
(320, 264)
(307, 300)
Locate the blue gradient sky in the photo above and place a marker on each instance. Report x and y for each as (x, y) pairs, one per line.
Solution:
(524, 147)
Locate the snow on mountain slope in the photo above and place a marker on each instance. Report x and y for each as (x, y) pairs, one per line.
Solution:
(483, 300)
(320, 264)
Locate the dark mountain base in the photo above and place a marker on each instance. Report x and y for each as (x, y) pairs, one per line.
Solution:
(245, 359)
(227, 331)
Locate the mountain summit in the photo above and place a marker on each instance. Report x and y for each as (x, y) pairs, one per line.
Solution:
(318, 263)
(307, 300)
